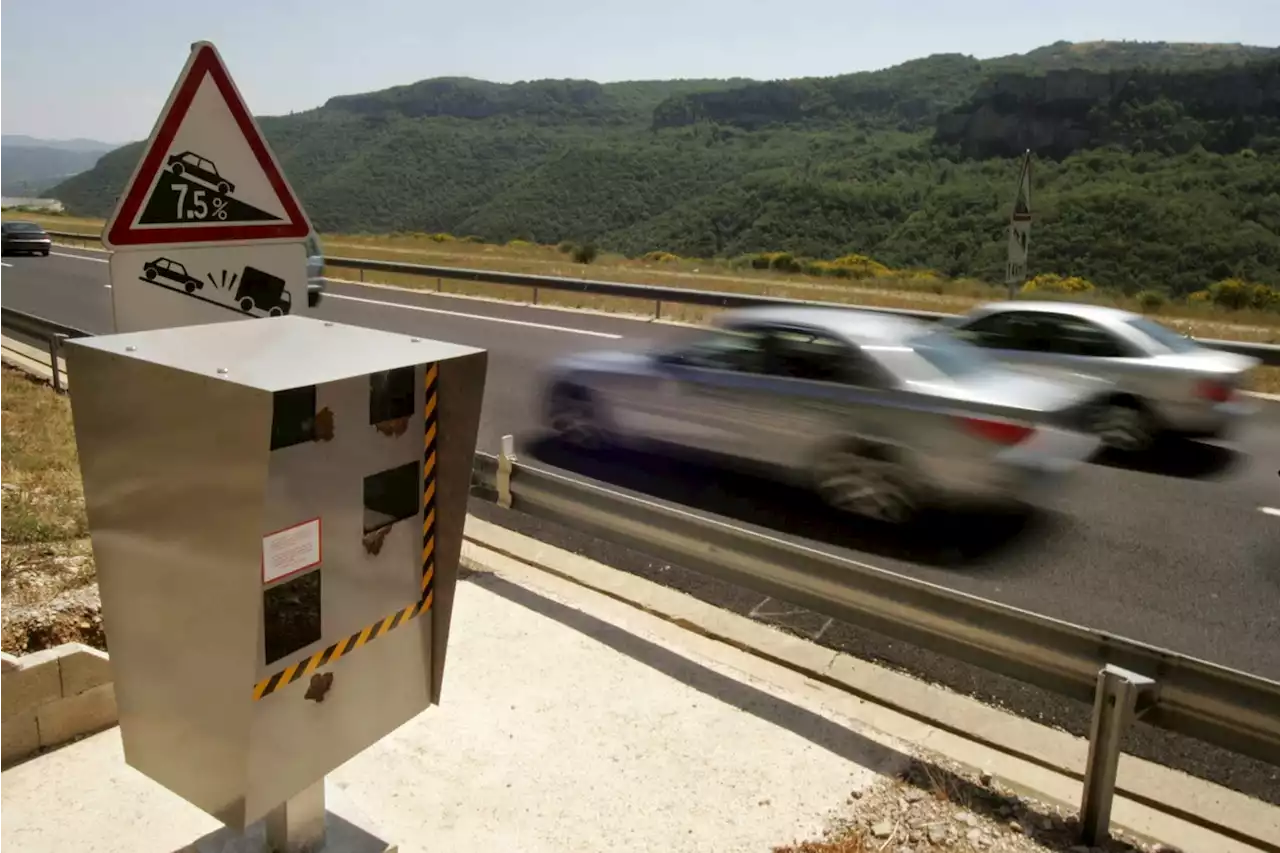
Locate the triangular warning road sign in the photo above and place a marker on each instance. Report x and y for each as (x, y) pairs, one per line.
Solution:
(207, 175)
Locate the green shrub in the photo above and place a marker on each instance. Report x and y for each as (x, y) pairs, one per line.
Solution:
(1264, 297)
(1151, 300)
(518, 244)
(1231, 293)
(784, 262)
(442, 238)
(473, 238)
(1051, 283)
(660, 257)
(585, 253)
(860, 266)
(566, 246)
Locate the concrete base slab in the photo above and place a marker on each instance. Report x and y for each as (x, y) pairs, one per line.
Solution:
(346, 831)
(561, 728)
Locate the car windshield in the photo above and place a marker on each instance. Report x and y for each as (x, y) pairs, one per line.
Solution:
(1163, 335)
(949, 355)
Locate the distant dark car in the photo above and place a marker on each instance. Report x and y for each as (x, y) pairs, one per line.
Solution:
(171, 271)
(25, 237)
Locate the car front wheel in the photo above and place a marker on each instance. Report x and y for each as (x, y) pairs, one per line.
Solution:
(1125, 425)
(866, 483)
(576, 417)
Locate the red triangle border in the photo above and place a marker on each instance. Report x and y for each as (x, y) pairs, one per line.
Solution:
(123, 234)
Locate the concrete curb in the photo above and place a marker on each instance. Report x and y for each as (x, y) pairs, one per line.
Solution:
(1152, 801)
(52, 697)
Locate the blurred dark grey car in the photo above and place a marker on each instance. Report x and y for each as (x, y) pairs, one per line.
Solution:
(27, 237)
(1165, 383)
(882, 415)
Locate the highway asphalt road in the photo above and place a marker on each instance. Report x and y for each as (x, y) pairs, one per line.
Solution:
(1178, 550)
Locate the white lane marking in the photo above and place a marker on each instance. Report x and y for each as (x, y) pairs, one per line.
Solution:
(81, 258)
(1267, 510)
(546, 326)
(83, 248)
(3, 264)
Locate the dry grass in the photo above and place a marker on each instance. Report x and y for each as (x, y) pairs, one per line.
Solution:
(915, 291)
(938, 806)
(47, 563)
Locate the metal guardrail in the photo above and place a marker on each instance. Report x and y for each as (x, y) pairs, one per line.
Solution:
(51, 333)
(1125, 679)
(1268, 354)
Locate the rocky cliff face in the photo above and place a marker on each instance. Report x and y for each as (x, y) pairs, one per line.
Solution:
(1060, 112)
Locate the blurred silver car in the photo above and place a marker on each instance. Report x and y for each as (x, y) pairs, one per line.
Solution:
(1164, 382)
(315, 271)
(882, 414)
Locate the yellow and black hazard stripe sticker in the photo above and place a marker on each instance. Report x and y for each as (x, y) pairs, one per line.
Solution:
(308, 665)
(431, 378)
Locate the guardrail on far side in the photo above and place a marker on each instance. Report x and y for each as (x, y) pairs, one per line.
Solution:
(1268, 354)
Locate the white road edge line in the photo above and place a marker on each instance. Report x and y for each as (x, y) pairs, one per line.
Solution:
(1267, 510)
(81, 258)
(82, 248)
(546, 326)
(3, 264)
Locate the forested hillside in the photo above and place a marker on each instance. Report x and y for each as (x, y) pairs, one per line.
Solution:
(1157, 165)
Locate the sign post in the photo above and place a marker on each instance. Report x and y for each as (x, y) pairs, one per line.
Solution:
(1015, 269)
(207, 229)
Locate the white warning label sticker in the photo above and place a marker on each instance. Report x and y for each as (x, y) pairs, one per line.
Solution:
(291, 550)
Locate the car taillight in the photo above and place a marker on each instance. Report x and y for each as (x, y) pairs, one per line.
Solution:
(999, 432)
(1214, 391)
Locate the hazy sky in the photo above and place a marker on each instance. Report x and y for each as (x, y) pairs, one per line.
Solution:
(103, 68)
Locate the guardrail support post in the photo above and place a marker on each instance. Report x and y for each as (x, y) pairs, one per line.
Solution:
(657, 311)
(506, 456)
(1120, 698)
(55, 346)
(362, 273)
(297, 825)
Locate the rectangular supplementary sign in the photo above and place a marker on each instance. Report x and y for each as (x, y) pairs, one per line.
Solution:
(291, 550)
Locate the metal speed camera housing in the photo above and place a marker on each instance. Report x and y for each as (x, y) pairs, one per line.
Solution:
(276, 508)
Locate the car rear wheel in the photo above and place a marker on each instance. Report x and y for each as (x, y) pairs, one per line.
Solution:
(866, 483)
(1125, 425)
(576, 417)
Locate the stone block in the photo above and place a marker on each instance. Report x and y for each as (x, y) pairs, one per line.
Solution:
(73, 716)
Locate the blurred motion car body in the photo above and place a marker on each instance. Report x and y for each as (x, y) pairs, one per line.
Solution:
(1164, 382)
(882, 415)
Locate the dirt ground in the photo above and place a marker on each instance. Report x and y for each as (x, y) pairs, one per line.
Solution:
(936, 806)
(48, 592)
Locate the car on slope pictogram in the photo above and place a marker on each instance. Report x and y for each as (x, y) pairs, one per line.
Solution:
(198, 168)
(163, 268)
